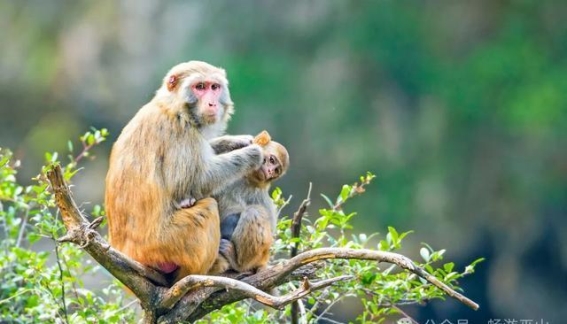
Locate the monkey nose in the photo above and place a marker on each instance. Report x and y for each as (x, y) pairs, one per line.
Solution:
(212, 104)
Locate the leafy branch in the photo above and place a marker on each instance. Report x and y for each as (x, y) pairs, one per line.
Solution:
(307, 276)
(168, 305)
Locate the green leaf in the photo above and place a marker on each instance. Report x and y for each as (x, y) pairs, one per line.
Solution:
(424, 252)
(327, 200)
(394, 236)
(404, 234)
(470, 268)
(367, 278)
(276, 193)
(90, 140)
(345, 192)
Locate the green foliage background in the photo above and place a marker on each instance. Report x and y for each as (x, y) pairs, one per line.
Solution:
(459, 108)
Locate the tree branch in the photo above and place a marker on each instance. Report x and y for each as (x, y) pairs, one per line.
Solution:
(276, 275)
(175, 293)
(132, 274)
(295, 231)
(365, 254)
(195, 296)
(296, 221)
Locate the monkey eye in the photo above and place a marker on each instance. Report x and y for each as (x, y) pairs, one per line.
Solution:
(215, 86)
(272, 160)
(200, 86)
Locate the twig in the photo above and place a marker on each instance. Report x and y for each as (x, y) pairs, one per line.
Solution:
(301, 310)
(357, 189)
(296, 221)
(285, 203)
(330, 320)
(135, 301)
(57, 257)
(23, 227)
(295, 232)
(326, 310)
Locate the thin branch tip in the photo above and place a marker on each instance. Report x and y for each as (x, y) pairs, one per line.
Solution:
(96, 223)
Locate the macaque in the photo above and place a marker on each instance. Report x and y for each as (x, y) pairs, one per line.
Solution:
(162, 158)
(248, 214)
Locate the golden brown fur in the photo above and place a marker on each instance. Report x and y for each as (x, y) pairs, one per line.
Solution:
(162, 157)
(248, 214)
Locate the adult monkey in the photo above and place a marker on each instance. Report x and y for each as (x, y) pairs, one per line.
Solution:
(163, 157)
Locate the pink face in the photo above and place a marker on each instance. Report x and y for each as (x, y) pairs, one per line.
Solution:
(208, 93)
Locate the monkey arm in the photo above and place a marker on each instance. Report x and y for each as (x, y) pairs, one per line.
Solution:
(229, 143)
(226, 168)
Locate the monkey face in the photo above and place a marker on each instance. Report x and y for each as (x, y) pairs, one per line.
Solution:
(276, 161)
(271, 168)
(204, 89)
(207, 97)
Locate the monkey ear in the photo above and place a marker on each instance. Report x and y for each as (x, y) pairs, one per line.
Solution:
(172, 82)
(263, 138)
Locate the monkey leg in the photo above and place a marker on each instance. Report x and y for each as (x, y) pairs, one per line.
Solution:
(224, 258)
(252, 239)
(191, 240)
(228, 224)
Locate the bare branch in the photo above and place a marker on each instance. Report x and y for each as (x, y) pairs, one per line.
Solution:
(297, 218)
(188, 283)
(63, 301)
(285, 203)
(295, 232)
(22, 227)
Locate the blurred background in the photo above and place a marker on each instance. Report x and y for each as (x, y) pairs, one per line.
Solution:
(459, 108)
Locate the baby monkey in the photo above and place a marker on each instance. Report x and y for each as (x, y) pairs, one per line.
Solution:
(247, 213)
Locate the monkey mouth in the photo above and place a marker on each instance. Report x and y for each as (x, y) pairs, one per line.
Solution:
(209, 118)
(265, 174)
(260, 175)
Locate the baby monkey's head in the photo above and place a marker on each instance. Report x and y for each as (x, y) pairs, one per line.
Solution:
(276, 161)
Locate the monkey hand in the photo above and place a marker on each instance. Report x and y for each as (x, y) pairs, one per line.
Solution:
(256, 154)
(229, 143)
(242, 140)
